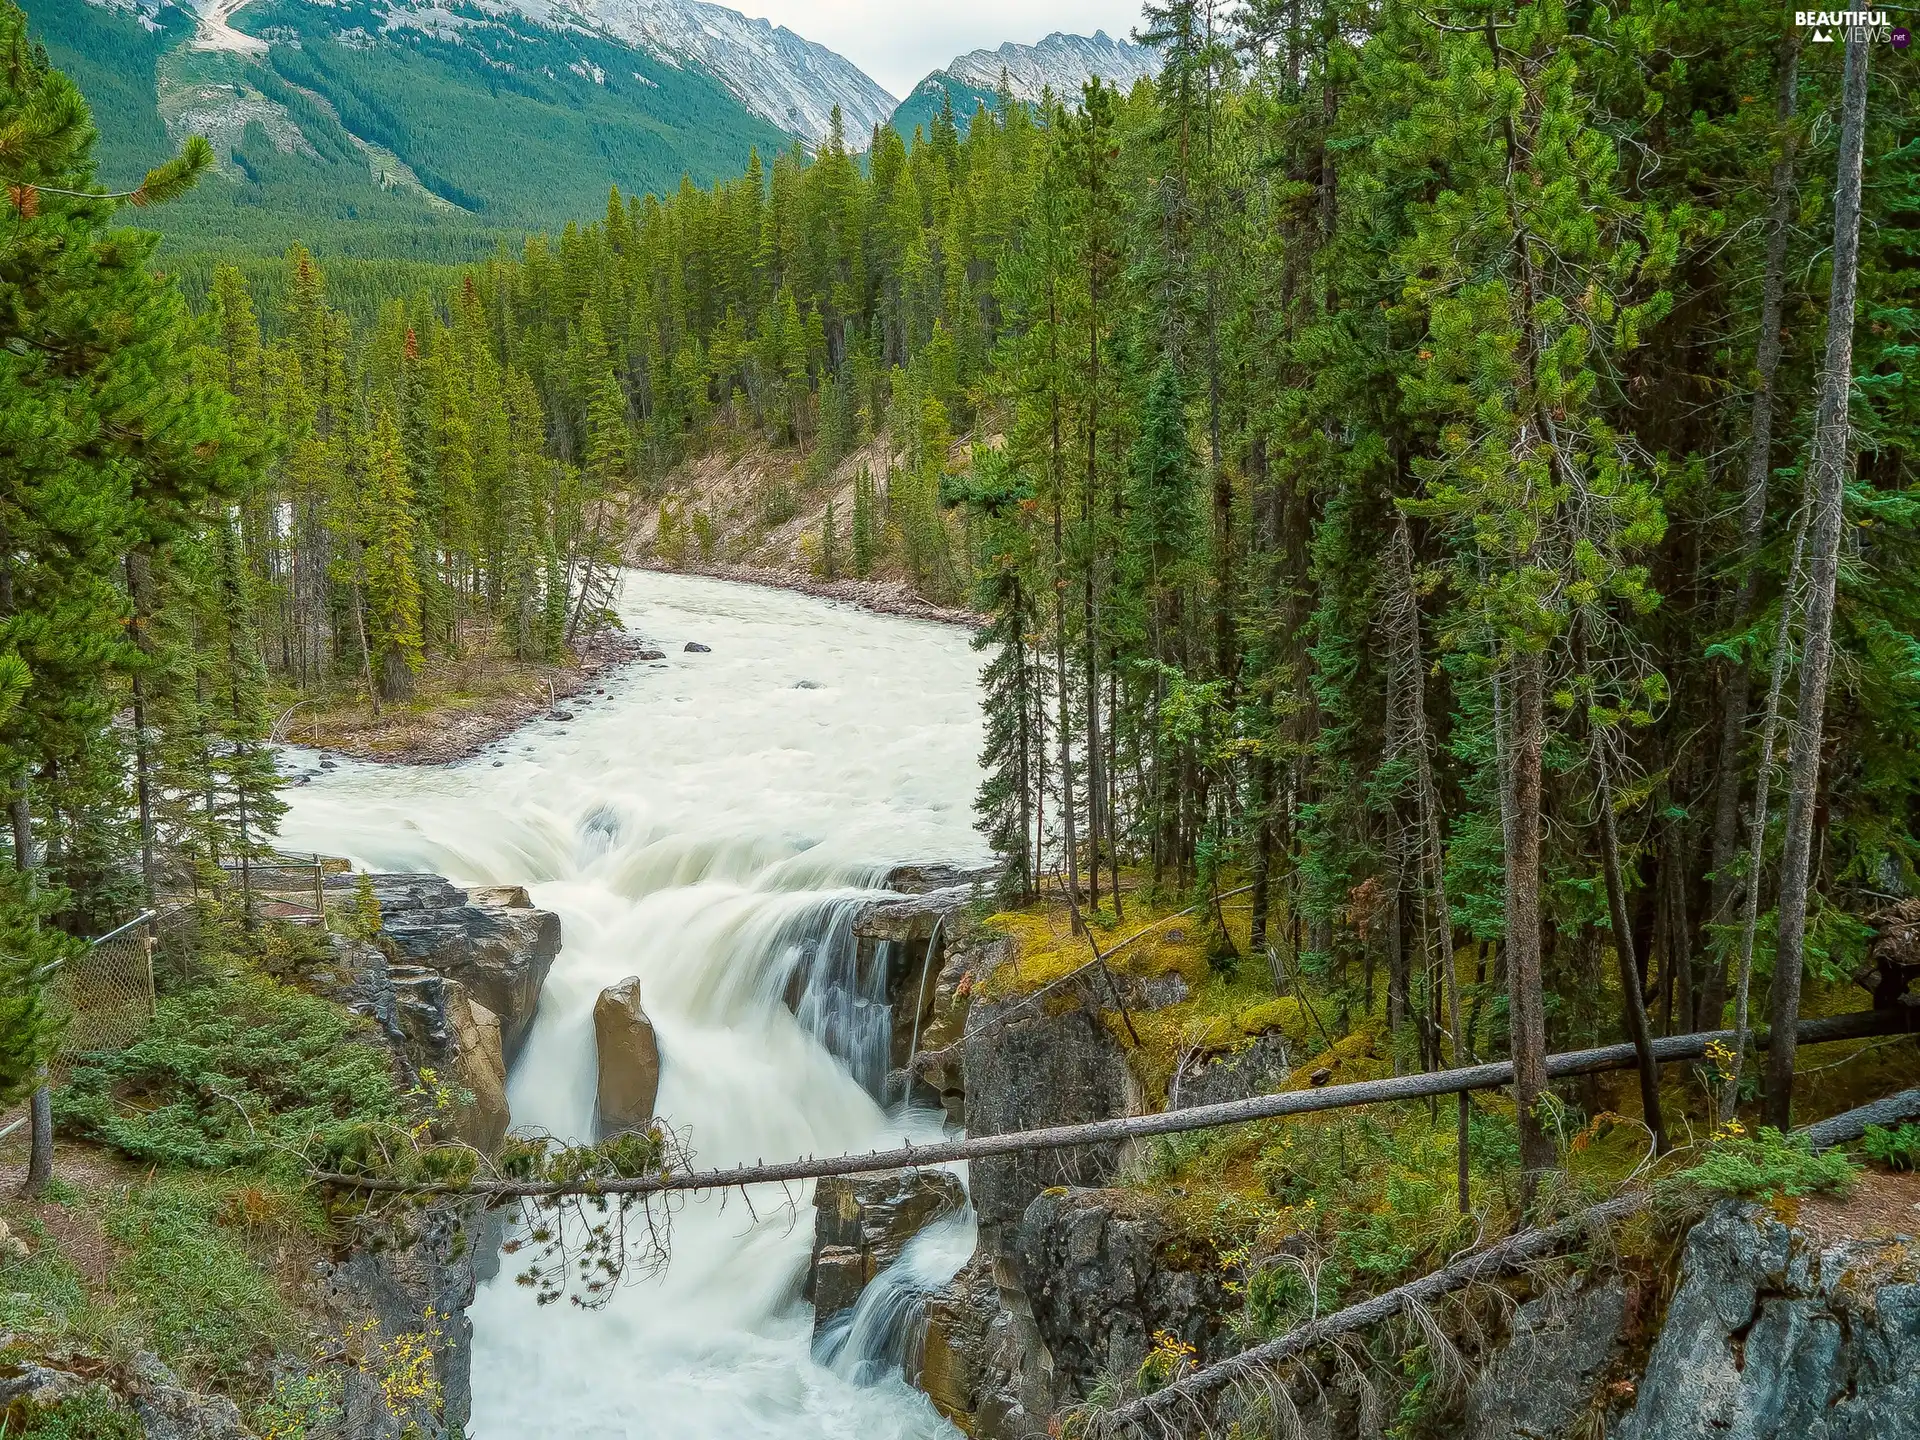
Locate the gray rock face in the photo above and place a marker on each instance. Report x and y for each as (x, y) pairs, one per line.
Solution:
(938, 1061)
(1549, 1374)
(170, 1411)
(981, 1359)
(1104, 1274)
(860, 1225)
(37, 1383)
(1034, 1064)
(914, 937)
(628, 1056)
(456, 948)
(920, 878)
(491, 940)
(419, 1281)
(1260, 1069)
(1768, 1338)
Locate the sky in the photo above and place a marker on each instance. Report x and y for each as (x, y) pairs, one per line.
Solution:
(898, 41)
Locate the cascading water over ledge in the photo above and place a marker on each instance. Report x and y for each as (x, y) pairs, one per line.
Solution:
(713, 829)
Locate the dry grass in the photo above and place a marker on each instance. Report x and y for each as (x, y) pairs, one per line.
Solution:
(460, 704)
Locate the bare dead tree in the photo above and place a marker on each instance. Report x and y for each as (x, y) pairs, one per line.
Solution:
(1832, 446)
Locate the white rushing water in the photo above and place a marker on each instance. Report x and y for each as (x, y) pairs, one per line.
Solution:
(703, 826)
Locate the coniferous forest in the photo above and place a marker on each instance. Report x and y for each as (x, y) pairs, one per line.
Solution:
(1448, 471)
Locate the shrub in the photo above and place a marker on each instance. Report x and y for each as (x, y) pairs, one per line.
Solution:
(89, 1414)
(1770, 1165)
(1896, 1149)
(245, 1074)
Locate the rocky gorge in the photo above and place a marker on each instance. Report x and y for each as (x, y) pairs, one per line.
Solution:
(794, 993)
(450, 983)
(1763, 1324)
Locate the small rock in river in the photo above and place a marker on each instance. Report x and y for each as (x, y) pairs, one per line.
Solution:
(498, 763)
(561, 715)
(807, 685)
(326, 765)
(694, 647)
(648, 655)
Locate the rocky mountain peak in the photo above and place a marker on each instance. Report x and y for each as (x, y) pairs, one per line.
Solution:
(1060, 62)
(780, 76)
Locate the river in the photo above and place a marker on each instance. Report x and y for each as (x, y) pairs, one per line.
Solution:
(704, 825)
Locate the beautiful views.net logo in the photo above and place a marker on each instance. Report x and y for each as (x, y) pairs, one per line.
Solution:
(1862, 26)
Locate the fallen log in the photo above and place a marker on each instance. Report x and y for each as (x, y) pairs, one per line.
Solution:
(1492, 1076)
(1186, 1392)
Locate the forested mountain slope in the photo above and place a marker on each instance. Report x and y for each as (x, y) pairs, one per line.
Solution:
(388, 132)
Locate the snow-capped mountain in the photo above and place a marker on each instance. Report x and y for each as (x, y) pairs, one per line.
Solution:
(1061, 62)
(775, 73)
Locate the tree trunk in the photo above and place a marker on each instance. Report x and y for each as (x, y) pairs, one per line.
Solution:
(1753, 523)
(142, 782)
(1633, 998)
(366, 655)
(40, 1159)
(1262, 850)
(1527, 1016)
(1830, 454)
(1757, 831)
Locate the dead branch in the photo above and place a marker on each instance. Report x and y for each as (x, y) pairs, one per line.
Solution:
(1862, 1025)
(1414, 1297)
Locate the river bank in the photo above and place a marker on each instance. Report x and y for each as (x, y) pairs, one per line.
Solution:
(881, 597)
(460, 707)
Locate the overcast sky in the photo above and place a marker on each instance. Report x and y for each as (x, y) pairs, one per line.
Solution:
(898, 41)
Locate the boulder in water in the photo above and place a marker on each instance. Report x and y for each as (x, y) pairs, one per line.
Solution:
(649, 655)
(694, 647)
(629, 1056)
(482, 1121)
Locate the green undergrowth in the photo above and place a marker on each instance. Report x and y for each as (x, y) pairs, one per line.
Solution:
(192, 1270)
(249, 1073)
(203, 1271)
(1768, 1166)
(1317, 1211)
(181, 1221)
(88, 1414)
(1896, 1149)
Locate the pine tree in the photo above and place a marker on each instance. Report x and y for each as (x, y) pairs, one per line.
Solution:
(392, 585)
(829, 545)
(863, 539)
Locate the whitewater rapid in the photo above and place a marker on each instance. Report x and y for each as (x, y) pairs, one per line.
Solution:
(701, 826)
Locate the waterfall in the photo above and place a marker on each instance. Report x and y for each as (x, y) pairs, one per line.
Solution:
(872, 1341)
(712, 827)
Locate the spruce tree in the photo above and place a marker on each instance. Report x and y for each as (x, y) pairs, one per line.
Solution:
(392, 584)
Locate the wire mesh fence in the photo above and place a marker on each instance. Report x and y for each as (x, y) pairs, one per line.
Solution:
(106, 996)
(284, 887)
